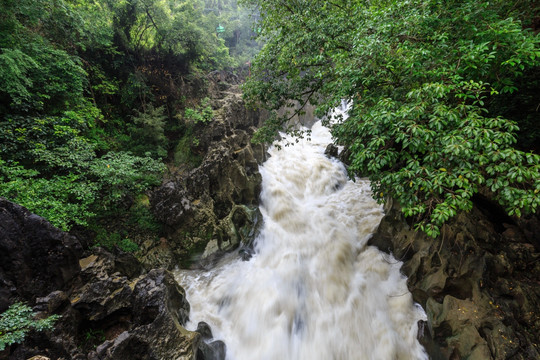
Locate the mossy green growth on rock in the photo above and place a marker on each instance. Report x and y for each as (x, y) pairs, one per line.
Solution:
(216, 201)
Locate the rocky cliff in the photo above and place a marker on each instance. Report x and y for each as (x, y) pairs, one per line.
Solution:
(114, 306)
(212, 208)
(479, 282)
(110, 307)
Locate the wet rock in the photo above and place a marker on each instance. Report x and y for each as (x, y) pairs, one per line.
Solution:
(205, 330)
(35, 257)
(245, 253)
(331, 151)
(159, 309)
(52, 302)
(216, 350)
(212, 208)
(478, 282)
(110, 308)
(425, 338)
(127, 264)
(209, 349)
(171, 203)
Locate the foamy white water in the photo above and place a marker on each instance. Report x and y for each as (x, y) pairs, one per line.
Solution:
(313, 290)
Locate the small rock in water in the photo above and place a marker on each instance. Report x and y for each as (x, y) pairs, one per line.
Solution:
(209, 350)
(205, 330)
(245, 253)
(216, 350)
(331, 151)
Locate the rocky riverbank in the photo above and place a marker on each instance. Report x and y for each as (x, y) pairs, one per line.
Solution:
(478, 282)
(212, 208)
(110, 307)
(114, 305)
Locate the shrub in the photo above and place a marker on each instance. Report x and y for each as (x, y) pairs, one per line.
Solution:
(202, 114)
(18, 320)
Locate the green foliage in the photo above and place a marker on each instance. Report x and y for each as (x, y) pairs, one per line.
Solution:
(38, 77)
(426, 82)
(18, 320)
(93, 337)
(183, 152)
(109, 241)
(128, 246)
(150, 132)
(142, 218)
(63, 200)
(91, 185)
(89, 91)
(187, 151)
(106, 239)
(202, 113)
(177, 28)
(119, 174)
(15, 82)
(237, 21)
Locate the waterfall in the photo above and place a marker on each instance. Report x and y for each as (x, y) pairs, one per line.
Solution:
(313, 289)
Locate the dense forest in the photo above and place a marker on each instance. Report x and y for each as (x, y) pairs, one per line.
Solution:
(94, 96)
(443, 95)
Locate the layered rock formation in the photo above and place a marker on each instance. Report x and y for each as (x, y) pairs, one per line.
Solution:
(212, 208)
(478, 282)
(110, 308)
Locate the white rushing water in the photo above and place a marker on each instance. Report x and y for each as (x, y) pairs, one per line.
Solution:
(313, 290)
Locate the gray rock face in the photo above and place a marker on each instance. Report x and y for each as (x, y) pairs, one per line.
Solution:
(478, 282)
(212, 208)
(209, 349)
(110, 308)
(154, 309)
(35, 257)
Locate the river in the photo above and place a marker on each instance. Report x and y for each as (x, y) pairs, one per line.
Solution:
(313, 289)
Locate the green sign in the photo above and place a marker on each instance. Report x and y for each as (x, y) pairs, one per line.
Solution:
(220, 29)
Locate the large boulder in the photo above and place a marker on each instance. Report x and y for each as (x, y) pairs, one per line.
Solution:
(478, 282)
(112, 316)
(153, 311)
(110, 307)
(35, 257)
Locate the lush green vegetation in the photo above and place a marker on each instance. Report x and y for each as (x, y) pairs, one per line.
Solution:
(92, 94)
(438, 91)
(17, 321)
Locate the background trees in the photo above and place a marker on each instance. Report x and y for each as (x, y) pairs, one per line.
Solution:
(442, 94)
(90, 91)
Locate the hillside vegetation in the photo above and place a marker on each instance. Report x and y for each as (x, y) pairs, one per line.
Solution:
(93, 95)
(443, 95)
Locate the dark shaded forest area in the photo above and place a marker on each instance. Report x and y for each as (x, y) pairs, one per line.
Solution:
(94, 97)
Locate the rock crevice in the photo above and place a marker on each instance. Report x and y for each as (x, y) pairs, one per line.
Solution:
(213, 208)
(478, 282)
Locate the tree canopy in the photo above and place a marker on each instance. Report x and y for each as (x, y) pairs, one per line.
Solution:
(443, 95)
(91, 92)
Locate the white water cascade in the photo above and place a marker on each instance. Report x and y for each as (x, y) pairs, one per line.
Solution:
(313, 289)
